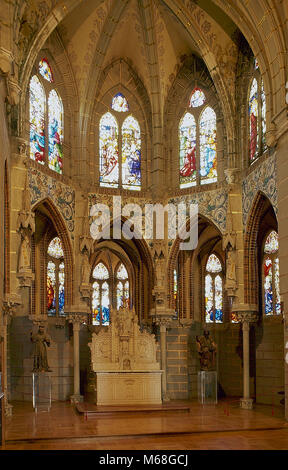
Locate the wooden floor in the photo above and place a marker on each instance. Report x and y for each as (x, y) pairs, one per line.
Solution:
(224, 426)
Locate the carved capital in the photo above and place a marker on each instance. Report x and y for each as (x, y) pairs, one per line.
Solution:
(76, 319)
(246, 317)
(232, 175)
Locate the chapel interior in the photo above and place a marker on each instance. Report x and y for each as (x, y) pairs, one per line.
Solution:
(146, 102)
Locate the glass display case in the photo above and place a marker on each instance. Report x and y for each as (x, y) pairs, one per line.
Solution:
(41, 391)
(207, 387)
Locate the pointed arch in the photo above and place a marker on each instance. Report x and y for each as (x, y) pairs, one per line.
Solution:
(253, 121)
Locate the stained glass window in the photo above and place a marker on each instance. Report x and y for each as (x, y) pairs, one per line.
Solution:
(55, 278)
(197, 98)
(131, 154)
(55, 123)
(37, 102)
(263, 116)
(45, 70)
(55, 248)
(253, 120)
(187, 143)
(213, 290)
(108, 145)
(119, 103)
(208, 156)
(122, 289)
(100, 296)
(271, 281)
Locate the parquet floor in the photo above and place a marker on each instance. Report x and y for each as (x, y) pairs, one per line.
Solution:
(224, 426)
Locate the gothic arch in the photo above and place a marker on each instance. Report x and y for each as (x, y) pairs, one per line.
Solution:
(251, 279)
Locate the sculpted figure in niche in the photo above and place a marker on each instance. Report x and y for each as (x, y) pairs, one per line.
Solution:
(207, 351)
(40, 340)
(25, 253)
(231, 266)
(85, 269)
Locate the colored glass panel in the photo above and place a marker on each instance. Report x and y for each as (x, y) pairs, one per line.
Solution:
(175, 285)
(100, 272)
(131, 154)
(108, 146)
(45, 70)
(197, 98)
(277, 286)
(256, 65)
(119, 103)
(218, 300)
(119, 294)
(272, 243)
(55, 119)
(263, 115)
(105, 303)
(268, 286)
(55, 249)
(51, 288)
(122, 272)
(37, 120)
(187, 148)
(208, 154)
(253, 120)
(213, 264)
(61, 295)
(209, 299)
(96, 303)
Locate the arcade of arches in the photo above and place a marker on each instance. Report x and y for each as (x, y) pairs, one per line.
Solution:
(154, 101)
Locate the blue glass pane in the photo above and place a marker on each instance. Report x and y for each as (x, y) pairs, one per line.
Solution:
(218, 316)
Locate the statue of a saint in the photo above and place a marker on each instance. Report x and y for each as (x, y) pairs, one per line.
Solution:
(231, 266)
(40, 340)
(85, 269)
(207, 351)
(25, 253)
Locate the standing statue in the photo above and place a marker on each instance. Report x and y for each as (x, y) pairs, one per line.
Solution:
(85, 269)
(40, 340)
(231, 265)
(25, 253)
(207, 351)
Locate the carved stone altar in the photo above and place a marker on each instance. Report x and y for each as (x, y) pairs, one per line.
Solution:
(124, 359)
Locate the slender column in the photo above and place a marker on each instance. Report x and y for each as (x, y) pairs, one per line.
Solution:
(246, 318)
(76, 320)
(8, 310)
(163, 323)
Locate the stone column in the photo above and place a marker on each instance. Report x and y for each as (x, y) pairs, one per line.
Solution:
(246, 318)
(76, 320)
(163, 323)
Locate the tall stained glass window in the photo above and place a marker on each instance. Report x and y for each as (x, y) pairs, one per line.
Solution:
(197, 142)
(55, 117)
(37, 102)
(208, 160)
(109, 162)
(46, 119)
(271, 282)
(131, 154)
(253, 120)
(213, 290)
(100, 295)
(55, 278)
(257, 115)
(187, 144)
(119, 103)
(122, 289)
(120, 153)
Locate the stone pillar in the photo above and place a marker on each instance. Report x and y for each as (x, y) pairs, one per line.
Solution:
(76, 319)
(246, 318)
(163, 323)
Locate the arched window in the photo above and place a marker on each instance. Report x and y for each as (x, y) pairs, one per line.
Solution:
(257, 115)
(55, 117)
(123, 171)
(55, 278)
(175, 290)
(271, 283)
(131, 154)
(187, 142)
(101, 295)
(208, 160)
(46, 117)
(197, 142)
(122, 287)
(37, 101)
(213, 290)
